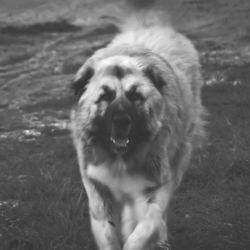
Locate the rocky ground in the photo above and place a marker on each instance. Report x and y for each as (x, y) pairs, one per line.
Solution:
(42, 203)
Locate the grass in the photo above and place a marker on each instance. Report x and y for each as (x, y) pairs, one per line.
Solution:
(46, 207)
(43, 205)
(211, 208)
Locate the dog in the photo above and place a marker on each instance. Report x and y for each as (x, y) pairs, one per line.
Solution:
(135, 123)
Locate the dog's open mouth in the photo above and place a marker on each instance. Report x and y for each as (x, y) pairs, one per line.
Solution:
(120, 146)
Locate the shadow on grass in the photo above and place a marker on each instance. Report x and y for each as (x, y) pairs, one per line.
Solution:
(58, 26)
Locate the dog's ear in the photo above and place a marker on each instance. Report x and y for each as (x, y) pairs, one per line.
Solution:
(156, 76)
(81, 80)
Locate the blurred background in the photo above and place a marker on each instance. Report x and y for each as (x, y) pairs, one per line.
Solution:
(42, 44)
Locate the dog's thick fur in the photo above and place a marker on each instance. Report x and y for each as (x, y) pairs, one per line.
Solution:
(136, 122)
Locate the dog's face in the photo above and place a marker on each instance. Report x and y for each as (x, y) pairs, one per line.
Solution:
(119, 104)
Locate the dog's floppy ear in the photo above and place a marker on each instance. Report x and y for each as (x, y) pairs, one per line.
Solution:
(81, 80)
(156, 76)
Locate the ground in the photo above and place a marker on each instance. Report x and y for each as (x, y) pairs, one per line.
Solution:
(42, 202)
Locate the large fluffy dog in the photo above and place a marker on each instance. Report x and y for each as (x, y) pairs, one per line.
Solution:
(137, 119)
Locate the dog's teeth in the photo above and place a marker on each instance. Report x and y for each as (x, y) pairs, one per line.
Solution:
(125, 143)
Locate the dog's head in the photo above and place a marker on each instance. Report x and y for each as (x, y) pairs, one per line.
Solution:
(120, 102)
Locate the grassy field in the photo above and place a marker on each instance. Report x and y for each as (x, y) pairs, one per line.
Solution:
(42, 202)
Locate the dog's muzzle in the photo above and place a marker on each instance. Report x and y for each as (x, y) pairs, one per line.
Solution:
(121, 126)
(119, 122)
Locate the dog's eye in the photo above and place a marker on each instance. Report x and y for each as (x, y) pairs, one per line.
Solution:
(133, 95)
(108, 95)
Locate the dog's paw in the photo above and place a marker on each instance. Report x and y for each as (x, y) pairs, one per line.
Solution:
(164, 245)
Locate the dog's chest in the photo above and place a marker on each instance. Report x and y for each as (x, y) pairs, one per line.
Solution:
(122, 185)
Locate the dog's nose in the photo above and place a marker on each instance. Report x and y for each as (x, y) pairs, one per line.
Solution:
(122, 122)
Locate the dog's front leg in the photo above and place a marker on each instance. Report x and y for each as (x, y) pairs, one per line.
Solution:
(101, 218)
(151, 229)
(99, 211)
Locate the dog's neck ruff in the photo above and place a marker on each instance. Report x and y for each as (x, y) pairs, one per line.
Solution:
(122, 185)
